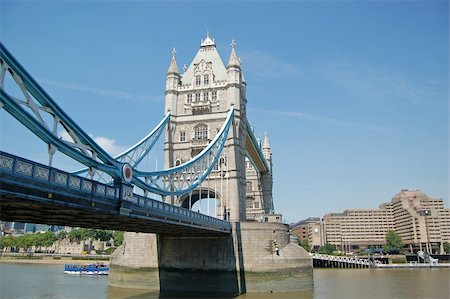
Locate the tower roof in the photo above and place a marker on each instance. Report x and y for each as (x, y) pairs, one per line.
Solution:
(173, 68)
(234, 60)
(208, 41)
(209, 55)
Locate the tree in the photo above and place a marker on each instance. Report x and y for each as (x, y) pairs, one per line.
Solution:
(46, 239)
(327, 249)
(447, 247)
(394, 243)
(61, 235)
(305, 244)
(118, 238)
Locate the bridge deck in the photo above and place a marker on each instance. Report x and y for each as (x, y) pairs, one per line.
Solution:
(34, 193)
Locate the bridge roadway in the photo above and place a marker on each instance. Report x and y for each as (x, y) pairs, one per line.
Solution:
(35, 193)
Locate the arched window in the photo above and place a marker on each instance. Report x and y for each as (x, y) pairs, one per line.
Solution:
(221, 164)
(189, 98)
(198, 80)
(214, 96)
(201, 132)
(205, 96)
(197, 97)
(206, 79)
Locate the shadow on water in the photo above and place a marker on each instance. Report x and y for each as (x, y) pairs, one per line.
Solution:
(240, 257)
(119, 293)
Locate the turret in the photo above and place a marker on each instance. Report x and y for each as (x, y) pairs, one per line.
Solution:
(267, 152)
(235, 97)
(172, 83)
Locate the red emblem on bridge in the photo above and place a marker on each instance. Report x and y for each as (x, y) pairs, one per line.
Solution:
(127, 173)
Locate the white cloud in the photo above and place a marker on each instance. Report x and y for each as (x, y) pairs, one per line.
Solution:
(109, 145)
(120, 95)
(322, 119)
(375, 82)
(264, 65)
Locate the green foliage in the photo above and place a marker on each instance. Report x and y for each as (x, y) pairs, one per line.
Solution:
(90, 233)
(394, 243)
(7, 241)
(447, 247)
(48, 238)
(27, 241)
(118, 238)
(327, 249)
(90, 258)
(305, 244)
(61, 235)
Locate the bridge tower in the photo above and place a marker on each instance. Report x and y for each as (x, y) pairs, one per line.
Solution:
(258, 250)
(198, 100)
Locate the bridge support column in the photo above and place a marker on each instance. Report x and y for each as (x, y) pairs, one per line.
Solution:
(265, 269)
(245, 261)
(134, 264)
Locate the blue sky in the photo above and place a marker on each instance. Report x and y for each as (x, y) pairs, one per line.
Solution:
(354, 95)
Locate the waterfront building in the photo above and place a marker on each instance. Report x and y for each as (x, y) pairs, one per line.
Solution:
(422, 222)
(358, 228)
(310, 229)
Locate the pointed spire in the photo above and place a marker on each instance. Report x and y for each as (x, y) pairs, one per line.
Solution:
(233, 61)
(266, 144)
(173, 68)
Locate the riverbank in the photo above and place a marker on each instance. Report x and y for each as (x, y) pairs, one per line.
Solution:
(53, 260)
(413, 265)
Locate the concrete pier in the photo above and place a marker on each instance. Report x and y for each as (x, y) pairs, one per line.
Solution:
(257, 257)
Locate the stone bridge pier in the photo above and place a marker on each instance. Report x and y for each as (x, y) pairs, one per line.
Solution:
(256, 257)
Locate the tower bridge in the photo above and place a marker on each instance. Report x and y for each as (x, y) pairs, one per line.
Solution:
(210, 151)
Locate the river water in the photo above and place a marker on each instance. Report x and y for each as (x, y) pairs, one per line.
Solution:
(49, 281)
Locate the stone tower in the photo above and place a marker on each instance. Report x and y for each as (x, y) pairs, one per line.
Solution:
(199, 100)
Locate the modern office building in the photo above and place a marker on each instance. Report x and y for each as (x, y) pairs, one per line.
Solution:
(358, 228)
(422, 222)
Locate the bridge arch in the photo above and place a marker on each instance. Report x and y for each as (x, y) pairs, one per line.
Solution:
(192, 200)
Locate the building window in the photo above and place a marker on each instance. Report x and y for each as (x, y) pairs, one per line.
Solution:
(206, 79)
(248, 164)
(198, 80)
(214, 95)
(249, 204)
(201, 132)
(205, 96)
(220, 164)
(197, 97)
(189, 98)
(248, 186)
(182, 136)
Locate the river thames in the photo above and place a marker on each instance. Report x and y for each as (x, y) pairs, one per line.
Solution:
(49, 281)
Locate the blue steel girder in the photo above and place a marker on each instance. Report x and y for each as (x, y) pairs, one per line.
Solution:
(39, 104)
(254, 152)
(135, 154)
(174, 181)
(186, 177)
